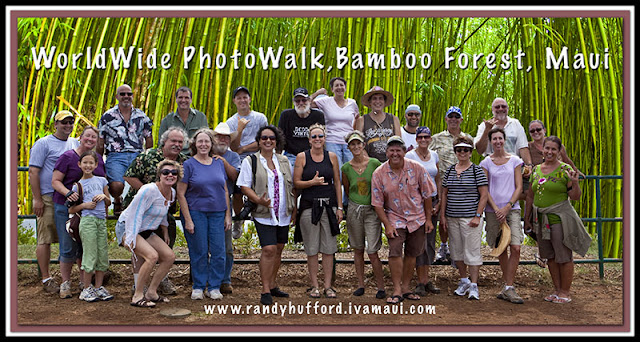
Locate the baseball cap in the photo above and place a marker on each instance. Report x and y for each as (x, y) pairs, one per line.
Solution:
(413, 108)
(395, 139)
(63, 114)
(241, 88)
(301, 92)
(454, 109)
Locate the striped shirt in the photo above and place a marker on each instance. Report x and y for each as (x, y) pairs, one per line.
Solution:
(462, 192)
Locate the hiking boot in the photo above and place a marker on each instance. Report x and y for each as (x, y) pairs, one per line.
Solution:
(50, 286)
(420, 290)
(463, 287)
(510, 295)
(226, 288)
(166, 287)
(89, 294)
(473, 292)
(236, 230)
(103, 294)
(430, 287)
(65, 290)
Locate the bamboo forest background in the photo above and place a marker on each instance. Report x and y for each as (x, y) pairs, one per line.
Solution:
(581, 106)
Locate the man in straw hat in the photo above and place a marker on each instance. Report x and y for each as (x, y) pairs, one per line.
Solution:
(395, 186)
(43, 156)
(378, 126)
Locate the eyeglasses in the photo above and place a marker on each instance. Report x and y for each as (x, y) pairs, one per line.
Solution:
(454, 116)
(125, 94)
(462, 149)
(419, 137)
(67, 122)
(413, 114)
(534, 130)
(166, 172)
(316, 136)
(270, 137)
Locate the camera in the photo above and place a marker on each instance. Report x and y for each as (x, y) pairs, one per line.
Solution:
(247, 208)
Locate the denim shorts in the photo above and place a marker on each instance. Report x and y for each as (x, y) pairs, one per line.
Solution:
(117, 164)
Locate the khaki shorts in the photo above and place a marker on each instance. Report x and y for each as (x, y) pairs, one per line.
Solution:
(413, 243)
(555, 248)
(317, 237)
(363, 226)
(465, 241)
(46, 224)
(493, 227)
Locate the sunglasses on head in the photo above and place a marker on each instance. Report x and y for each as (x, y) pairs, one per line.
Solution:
(126, 94)
(534, 130)
(315, 136)
(270, 137)
(166, 172)
(462, 149)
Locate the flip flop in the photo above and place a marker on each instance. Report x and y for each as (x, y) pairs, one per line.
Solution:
(143, 303)
(550, 298)
(160, 299)
(410, 296)
(541, 262)
(395, 299)
(562, 300)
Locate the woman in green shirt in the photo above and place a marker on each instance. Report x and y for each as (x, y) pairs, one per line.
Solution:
(362, 222)
(554, 182)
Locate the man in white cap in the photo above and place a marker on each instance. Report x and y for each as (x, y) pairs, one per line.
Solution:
(185, 117)
(396, 188)
(222, 139)
(43, 156)
(412, 116)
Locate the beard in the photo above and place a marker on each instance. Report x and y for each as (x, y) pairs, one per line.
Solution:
(220, 149)
(303, 109)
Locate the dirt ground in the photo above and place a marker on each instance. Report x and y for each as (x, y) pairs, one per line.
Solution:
(597, 304)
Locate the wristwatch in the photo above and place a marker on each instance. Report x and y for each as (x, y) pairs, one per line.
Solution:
(478, 215)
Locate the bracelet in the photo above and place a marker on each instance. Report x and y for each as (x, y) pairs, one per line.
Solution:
(511, 204)
(340, 208)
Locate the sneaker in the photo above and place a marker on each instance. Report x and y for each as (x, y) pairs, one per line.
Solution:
(166, 287)
(443, 252)
(236, 231)
(214, 294)
(473, 292)
(51, 286)
(463, 287)
(197, 294)
(510, 295)
(80, 286)
(89, 294)
(65, 290)
(103, 294)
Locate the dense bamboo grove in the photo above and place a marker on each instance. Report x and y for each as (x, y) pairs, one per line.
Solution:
(581, 105)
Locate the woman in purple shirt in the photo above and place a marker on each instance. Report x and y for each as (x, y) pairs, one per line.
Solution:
(206, 215)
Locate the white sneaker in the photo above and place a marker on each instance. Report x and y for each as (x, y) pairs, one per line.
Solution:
(103, 294)
(65, 290)
(89, 294)
(473, 292)
(214, 294)
(236, 230)
(463, 287)
(197, 294)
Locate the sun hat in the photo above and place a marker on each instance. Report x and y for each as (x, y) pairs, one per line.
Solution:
(395, 139)
(462, 144)
(354, 135)
(223, 129)
(365, 99)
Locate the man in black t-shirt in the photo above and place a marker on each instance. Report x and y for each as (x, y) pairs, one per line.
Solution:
(295, 123)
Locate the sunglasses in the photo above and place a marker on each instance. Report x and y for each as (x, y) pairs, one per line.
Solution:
(166, 172)
(126, 94)
(534, 130)
(316, 136)
(413, 114)
(419, 137)
(500, 106)
(270, 137)
(462, 149)
(454, 116)
(67, 122)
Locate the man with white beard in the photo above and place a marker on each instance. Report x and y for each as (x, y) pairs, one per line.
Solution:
(295, 123)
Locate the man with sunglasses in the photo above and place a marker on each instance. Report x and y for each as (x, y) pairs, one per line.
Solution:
(412, 116)
(295, 122)
(125, 131)
(43, 156)
(442, 143)
(516, 140)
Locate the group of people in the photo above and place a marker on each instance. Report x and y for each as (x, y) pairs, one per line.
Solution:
(322, 164)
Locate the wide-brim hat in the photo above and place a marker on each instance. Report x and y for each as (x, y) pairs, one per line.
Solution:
(365, 99)
(222, 128)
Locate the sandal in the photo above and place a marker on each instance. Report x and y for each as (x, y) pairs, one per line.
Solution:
(410, 296)
(330, 293)
(561, 300)
(541, 262)
(395, 299)
(551, 297)
(160, 299)
(314, 292)
(143, 303)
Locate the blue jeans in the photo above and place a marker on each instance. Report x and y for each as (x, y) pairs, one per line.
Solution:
(69, 249)
(207, 248)
(226, 279)
(344, 155)
(117, 164)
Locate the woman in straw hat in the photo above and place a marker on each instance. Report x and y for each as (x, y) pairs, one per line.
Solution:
(378, 126)
(503, 171)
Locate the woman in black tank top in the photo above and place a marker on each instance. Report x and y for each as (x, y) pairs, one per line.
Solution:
(316, 175)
